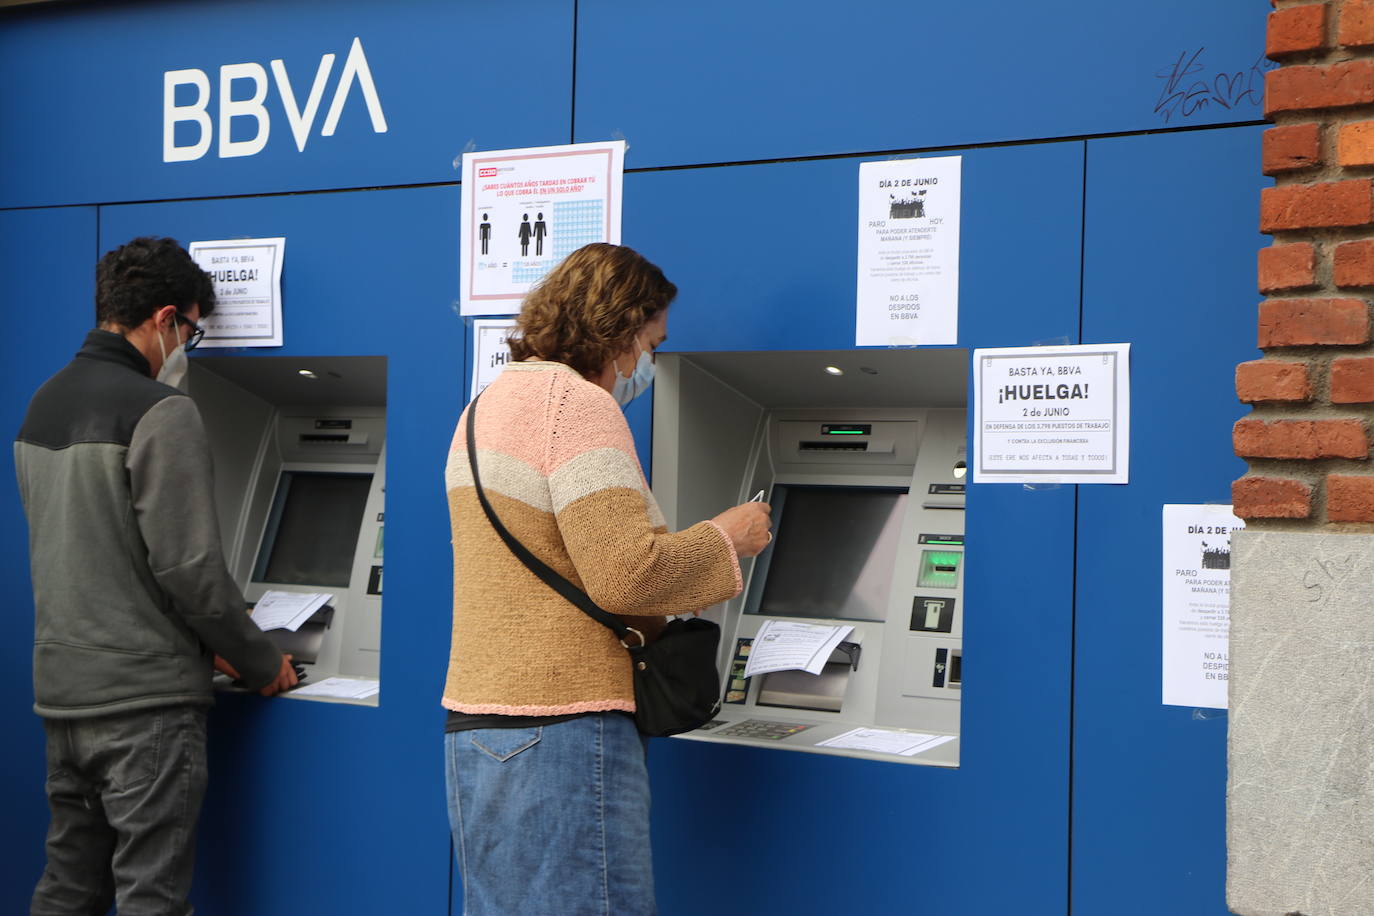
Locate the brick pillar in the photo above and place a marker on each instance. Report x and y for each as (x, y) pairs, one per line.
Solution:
(1307, 437)
(1300, 801)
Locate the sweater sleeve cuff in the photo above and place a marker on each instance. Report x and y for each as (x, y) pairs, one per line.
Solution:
(734, 556)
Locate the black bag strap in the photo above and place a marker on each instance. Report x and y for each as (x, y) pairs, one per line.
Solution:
(548, 574)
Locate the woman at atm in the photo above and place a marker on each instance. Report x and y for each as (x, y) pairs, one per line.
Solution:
(548, 790)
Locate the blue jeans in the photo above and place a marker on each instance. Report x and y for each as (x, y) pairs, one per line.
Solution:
(553, 819)
(125, 793)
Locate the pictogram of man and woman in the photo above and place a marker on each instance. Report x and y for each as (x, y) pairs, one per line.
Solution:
(537, 230)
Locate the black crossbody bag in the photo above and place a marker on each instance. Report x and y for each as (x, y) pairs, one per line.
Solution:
(677, 686)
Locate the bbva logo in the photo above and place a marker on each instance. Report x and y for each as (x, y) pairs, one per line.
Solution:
(302, 120)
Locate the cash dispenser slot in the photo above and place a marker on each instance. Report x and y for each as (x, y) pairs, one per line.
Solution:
(875, 446)
(834, 445)
(822, 692)
(305, 440)
(316, 438)
(304, 644)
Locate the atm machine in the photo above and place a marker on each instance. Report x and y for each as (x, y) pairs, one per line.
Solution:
(299, 450)
(862, 455)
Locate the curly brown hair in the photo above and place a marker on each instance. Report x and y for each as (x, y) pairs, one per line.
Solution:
(589, 308)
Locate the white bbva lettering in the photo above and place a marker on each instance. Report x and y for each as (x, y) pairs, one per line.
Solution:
(245, 108)
(301, 120)
(172, 113)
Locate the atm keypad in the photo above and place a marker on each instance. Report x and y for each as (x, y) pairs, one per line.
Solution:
(764, 729)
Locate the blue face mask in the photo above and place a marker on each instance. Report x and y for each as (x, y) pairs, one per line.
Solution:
(627, 389)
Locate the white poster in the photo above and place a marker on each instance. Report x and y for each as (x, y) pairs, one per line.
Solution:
(1197, 603)
(908, 290)
(1052, 414)
(524, 210)
(247, 278)
(490, 350)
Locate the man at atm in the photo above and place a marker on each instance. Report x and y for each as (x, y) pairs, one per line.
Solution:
(132, 597)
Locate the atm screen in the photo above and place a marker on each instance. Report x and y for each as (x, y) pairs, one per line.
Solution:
(833, 552)
(313, 529)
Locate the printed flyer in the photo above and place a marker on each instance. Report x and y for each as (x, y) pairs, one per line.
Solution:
(1197, 604)
(524, 210)
(1052, 414)
(908, 286)
(247, 278)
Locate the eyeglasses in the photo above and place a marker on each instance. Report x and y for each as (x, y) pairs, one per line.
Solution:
(197, 332)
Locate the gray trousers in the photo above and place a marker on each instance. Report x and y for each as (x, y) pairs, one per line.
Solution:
(125, 793)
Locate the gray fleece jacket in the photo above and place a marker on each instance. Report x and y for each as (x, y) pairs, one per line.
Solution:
(131, 592)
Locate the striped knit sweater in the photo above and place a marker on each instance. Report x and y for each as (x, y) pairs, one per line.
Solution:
(559, 468)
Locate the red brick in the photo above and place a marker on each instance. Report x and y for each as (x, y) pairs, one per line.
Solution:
(1304, 439)
(1271, 380)
(1349, 498)
(1298, 28)
(1269, 497)
(1352, 381)
(1355, 144)
(1289, 148)
(1311, 322)
(1283, 267)
(1334, 86)
(1353, 264)
(1312, 206)
(1357, 23)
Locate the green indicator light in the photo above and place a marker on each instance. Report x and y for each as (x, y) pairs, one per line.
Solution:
(845, 432)
(939, 569)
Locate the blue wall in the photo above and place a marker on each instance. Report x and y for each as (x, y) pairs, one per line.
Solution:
(49, 304)
(1149, 780)
(1110, 177)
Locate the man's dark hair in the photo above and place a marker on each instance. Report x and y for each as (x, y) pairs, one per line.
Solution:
(138, 278)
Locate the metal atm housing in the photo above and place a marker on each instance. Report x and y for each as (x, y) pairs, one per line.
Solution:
(299, 448)
(864, 467)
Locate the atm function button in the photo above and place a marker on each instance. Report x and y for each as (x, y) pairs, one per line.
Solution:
(738, 683)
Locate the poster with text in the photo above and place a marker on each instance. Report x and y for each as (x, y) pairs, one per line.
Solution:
(247, 278)
(524, 210)
(908, 289)
(1197, 604)
(1052, 414)
(490, 350)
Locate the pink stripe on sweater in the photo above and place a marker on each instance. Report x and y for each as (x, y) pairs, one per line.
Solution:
(544, 414)
(498, 709)
(511, 417)
(588, 419)
(734, 555)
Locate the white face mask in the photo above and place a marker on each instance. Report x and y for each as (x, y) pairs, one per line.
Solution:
(627, 389)
(174, 364)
